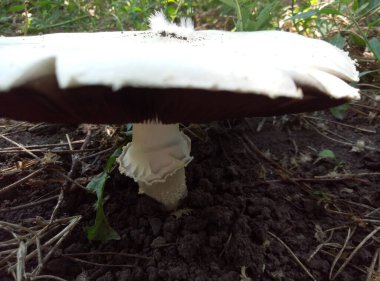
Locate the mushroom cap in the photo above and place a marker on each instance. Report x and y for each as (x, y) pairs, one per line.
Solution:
(192, 76)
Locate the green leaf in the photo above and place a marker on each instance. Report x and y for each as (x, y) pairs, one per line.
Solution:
(329, 11)
(263, 18)
(229, 3)
(171, 12)
(338, 41)
(304, 15)
(43, 3)
(309, 14)
(5, 19)
(326, 153)
(101, 230)
(112, 159)
(97, 184)
(374, 45)
(361, 8)
(16, 8)
(357, 40)
(339, 111)
(374, 23)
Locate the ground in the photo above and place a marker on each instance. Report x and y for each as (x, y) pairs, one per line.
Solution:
(262, 203)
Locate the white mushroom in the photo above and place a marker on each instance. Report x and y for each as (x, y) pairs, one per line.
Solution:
(164, 76)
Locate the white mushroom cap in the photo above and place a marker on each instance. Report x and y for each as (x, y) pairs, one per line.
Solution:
(271, 64)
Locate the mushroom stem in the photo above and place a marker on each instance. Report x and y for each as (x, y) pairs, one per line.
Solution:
(170, 192)
(156, 159)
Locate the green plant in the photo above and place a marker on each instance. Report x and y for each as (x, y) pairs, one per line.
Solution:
(351, 19)
(255, 15)
(335, 21)
(101, 230)
(322, 197)
(339, 111)
(19, 17)
(326, 153)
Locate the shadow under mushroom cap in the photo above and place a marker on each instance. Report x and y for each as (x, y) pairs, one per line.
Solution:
(43, 100)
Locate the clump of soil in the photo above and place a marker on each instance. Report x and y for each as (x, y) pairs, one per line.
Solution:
(261, 205)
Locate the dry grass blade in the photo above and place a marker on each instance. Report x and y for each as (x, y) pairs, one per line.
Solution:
(369, 85)
(20, 146)
(98, 264)
(74, 164)
(348, 237)
(9, 129)
(69, 142)
(48, 277)
(347, 176)
(345, 143)
(17, 257)
(358, 247)
(108, 253)
(341, 124)
(97, 153)
(12, 185)
(373, 212)
(67, 178)
(10, 227)
(31, 204)
(62, 235)
(51, 151)
(294, 256)
(372, 274)
(39, 252)
(359, 269)
(59, 202)
(19, 167)
(282, 171)
(319, 248)
(21, 254)
(28, 237)
(371, 108)
(40, 146)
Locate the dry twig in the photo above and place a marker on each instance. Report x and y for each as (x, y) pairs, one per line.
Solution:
(341, 124)
(294, 256)
(16, 258)
(98, 264)
(13, 185)
(372, 273)
(337, 257)
(358, 247)
(21, 147)
(28, 205)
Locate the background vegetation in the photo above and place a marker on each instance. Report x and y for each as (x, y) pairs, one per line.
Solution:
(343, 22)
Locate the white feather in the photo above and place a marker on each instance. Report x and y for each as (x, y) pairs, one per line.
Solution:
(159, 23)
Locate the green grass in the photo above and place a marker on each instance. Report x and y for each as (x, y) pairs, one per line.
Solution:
(41, 16)
(342, 22)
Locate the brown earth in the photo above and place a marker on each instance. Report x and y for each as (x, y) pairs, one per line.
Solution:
(261, 204)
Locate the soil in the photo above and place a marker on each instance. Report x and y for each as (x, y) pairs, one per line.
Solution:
(262, 205)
